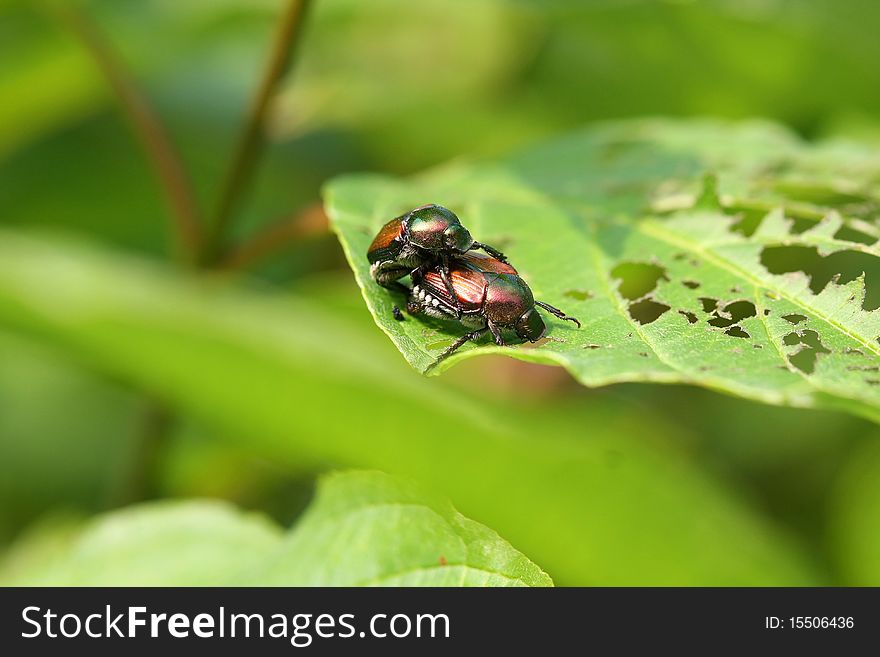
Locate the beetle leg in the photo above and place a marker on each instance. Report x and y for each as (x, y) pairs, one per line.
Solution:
(447, 281)
(451, 349)
(496, 333)
(555, 311)
(492, 251)
(387, 276)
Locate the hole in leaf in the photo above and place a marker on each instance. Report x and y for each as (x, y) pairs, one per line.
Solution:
(647, 310)
(737, 332)
(842, 266)
(800, 225)
(579, 295)
(766, 312)
(805, 358)
(592, 346)
(691, 317)
(709, 304)
(794, 318)
(791, 338)
(849, 234)
(758, 346)
(691, 284)
(748, 222)
(849, 351)
(638, 279)
(733, 313)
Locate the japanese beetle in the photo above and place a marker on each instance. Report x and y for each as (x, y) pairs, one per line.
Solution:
(422, 239)
(492, 297)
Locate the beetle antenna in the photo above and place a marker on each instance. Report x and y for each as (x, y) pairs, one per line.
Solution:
(558, 313)
(491, 250)
(451, 349)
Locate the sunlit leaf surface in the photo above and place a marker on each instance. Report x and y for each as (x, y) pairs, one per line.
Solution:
(731, 256)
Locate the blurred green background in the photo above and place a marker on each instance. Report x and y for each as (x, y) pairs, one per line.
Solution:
(397, 86)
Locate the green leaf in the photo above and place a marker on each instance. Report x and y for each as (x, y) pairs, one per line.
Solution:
(577, 484)
(403, 537)
(197, 543)
(761, 297)
(343, 540)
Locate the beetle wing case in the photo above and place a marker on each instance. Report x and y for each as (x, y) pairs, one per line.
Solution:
(470, 288)
(388, 241)
(484, 263)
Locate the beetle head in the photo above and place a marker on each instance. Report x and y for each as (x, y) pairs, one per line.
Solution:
(530, 326)
(457, 238)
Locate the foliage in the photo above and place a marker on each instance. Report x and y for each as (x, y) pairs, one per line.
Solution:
(340, 541)
(125, 378)
(265, 369)
(755, 288)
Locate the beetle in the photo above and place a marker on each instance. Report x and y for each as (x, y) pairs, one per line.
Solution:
(422, 239)
(492, 297)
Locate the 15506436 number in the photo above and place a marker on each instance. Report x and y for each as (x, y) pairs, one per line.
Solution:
(821, 622)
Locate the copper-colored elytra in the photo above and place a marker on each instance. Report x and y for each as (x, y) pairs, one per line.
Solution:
(470, 286)
(388, 233)
(485, 263)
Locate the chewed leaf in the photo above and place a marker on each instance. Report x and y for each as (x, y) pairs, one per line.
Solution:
(685, 249)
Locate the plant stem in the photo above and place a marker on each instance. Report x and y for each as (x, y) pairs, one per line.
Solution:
(253, 136)
(153, 432)
(164, 160)
(311, 221)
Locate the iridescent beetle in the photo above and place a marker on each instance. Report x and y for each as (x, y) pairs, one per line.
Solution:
(492, 298)
(423, 239)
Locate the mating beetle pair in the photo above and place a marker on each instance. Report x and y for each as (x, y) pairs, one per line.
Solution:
(451, 281)
(420, 240)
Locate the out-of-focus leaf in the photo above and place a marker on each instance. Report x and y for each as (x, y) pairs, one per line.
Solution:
(37, 550)
(854, 517)
(369, 529)
(158, 544)
(581, 490)
(762, 296)
(501, 73)
(341, 541)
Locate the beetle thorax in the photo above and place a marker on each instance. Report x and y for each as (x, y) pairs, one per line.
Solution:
(507, 299)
